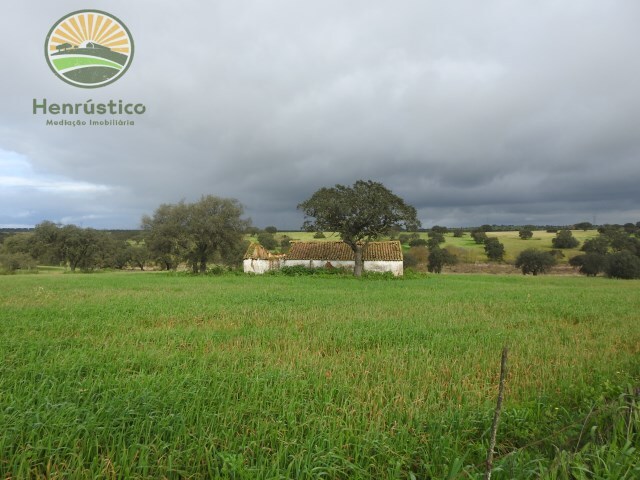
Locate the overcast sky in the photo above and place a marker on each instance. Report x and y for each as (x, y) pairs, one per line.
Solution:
(492, 111)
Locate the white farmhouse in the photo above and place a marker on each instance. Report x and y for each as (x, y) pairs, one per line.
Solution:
(259, 260)
(377, 256)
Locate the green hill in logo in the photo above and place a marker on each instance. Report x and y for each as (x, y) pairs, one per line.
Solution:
(92, 63)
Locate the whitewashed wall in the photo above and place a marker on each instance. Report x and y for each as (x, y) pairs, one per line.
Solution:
(378, 266)
(369, 266)
(251, 265)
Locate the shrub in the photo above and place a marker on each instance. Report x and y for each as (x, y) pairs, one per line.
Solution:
(565, 239)
(439, 237)
(421, 254)
(319, 235)
(271, 229)
(285, 243)
(534, 261)
(217, 270)
(494, 249)
(418, 242)
(267, 240)
(479, 236)
(583, 226)
(404, 238)
(410, 260)
(590, 264)
(293, 271)
(525, 234)
(438, 258)
(433, 243)
(596, 245)
(12, 262)
(458, 233)
(623, 265)
(300, 270)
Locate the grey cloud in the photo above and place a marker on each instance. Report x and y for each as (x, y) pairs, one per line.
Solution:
(466, 109)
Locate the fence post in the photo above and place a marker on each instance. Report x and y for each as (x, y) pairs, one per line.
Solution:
(496, 415)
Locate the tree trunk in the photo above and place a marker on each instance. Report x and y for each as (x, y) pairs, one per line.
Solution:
(359, 264)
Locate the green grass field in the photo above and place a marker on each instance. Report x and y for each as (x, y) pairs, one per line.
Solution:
(155, 375)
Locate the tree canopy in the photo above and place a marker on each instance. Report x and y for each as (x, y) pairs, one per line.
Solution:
(494, 249)
(564, 239)
(535, 261)
(196, 233)
(361, 212)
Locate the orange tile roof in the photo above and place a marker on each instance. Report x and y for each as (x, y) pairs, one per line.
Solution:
(258, 252)
(382, 251)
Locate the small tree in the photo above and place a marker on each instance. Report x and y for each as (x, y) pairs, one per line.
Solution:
(494, 249)
(583, 226)
(139, 255)
(598, 245)
(433, 243)
(437, 236)
(271, 229)
(590, 264)
(621, 240)
(565, 239)
(285, 243)
(11, 262)
(479, 236)
(46, 246)
(409, 260)
(525, 234)
(267, 240)
(623, 264)
(534, 261)
(438, 258)
(458, 233)
(79, 247)
(418, 242)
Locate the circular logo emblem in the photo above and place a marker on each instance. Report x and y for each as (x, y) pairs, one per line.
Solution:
(89, 48)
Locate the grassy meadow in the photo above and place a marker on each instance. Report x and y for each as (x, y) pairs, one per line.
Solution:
(157, 375)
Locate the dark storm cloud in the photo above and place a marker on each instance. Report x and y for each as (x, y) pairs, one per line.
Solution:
(471, 111)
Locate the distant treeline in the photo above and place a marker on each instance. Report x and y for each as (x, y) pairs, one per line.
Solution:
(212, 230)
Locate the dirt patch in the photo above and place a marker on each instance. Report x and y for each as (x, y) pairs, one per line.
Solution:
(504, 269)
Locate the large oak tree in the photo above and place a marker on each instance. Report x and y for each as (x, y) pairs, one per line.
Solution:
(359, 213)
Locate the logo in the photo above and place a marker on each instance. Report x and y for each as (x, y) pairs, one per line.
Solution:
(89, 48)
